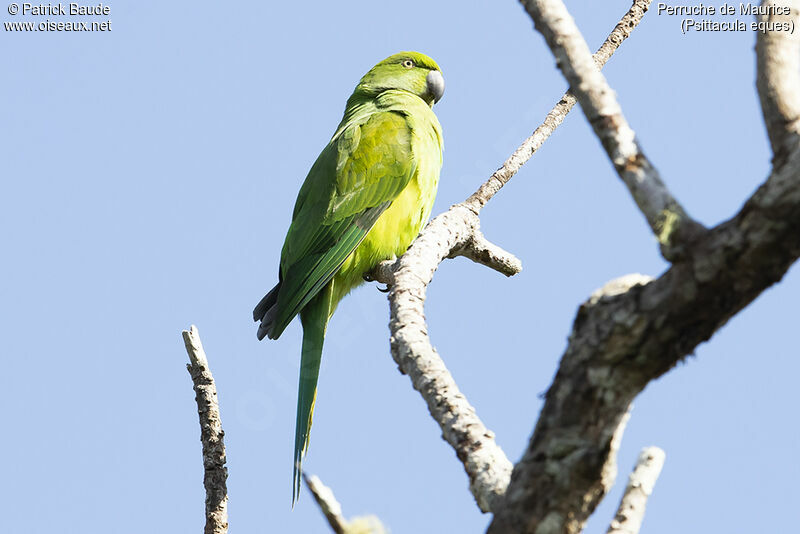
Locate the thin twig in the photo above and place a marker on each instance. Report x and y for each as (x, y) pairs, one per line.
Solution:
(637, 329)
(333, 512)
(670, 223)
(556, 116)
(211, 435)
(327, 503)
(481, 250)
(457, 232)
(630, 513)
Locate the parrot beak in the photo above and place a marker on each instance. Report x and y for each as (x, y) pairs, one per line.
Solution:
(435, 85)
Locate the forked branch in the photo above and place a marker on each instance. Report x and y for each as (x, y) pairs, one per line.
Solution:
(457, 233)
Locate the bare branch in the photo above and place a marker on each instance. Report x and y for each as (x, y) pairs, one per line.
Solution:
(333, 512)
(327, 503)
(486, 464)
(211, 435)
(669, 221)
(635, 330)
(553, 120)
(383, 272)
(457, 232)
(481, 250)
(778, 78)
(627, 335)
(631, 331)
(630, 513)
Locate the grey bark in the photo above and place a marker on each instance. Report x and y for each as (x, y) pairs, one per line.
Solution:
(457, 233)
(669, 221)
(640, 486)
(624, 338)
(626, 334)
(327, 503)
(778, 58)
(333, 512)
(211, 435)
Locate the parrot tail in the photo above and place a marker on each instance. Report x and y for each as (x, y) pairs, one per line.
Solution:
(315, 320)
(265, 312)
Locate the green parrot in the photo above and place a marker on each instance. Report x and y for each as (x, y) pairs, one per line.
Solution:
(364, 200)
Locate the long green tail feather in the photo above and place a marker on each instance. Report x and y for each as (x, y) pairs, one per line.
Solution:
(315, 320)
(316, 271)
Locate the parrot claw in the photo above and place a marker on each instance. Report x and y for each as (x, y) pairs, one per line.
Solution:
(368, 278)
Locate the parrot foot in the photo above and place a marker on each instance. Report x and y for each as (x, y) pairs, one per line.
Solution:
(368, 278)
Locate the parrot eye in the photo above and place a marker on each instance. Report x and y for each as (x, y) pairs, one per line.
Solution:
(407, 63)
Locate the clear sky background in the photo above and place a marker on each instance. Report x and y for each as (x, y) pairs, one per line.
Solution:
(148, 176)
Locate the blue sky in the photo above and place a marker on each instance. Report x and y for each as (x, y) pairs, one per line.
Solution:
(148, 179)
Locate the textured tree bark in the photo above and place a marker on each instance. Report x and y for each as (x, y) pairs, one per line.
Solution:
(327, 502)
(640, 485)
(457, 233)
(636, 329)
(553, 120)
(669, 221)
(777, 53)
(211, 435)
(452, 233)
(332, 511)
(626, 334)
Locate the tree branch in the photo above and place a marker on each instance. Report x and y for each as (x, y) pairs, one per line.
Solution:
(481, 250)
(778, 79)
(485, 463)
(211, 435)
(630, 334)
(670, 223)
(333, 511)
(624, 338)
(457, 232)
(556, 116)
(327, 503)
(640, 485)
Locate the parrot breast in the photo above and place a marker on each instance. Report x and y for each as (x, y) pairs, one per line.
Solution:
(399, 225)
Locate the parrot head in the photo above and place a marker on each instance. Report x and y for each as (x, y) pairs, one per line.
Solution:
(405, 71)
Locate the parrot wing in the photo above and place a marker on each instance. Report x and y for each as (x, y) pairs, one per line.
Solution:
(355, 178)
